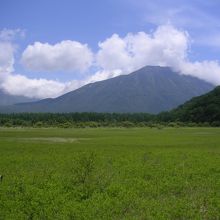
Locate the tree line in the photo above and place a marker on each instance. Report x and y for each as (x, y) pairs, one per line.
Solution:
(92, 119)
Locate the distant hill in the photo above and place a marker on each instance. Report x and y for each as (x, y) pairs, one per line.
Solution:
(205, 108)
(7, 99)
(151, 89)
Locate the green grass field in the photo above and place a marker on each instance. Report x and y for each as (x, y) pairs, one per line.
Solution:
(110, 173)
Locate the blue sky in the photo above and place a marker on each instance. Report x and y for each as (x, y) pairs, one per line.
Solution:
(105, 31)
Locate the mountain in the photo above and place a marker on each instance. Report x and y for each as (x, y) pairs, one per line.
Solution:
(6, 99)
(205, 108)
(151, 89)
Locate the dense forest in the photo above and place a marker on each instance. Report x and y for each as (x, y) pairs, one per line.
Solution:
(205, 108)
(199, 111)
(87, 119)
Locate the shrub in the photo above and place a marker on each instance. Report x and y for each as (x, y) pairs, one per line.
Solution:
(39, 124)
(66, 125)
(127, 124)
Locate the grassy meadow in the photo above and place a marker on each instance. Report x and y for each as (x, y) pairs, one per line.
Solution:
(110, 173)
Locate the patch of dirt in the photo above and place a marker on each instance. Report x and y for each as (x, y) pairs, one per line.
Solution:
(52, 139)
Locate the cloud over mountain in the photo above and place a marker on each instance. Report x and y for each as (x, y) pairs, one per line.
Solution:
(166, 46)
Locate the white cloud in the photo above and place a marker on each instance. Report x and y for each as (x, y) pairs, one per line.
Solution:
(166, 46)
(16, 84)
(114, 54)
(206, 70)
(7, 50)
(102, 75)
(64, 56)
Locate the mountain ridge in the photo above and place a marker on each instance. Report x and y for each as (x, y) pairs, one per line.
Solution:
(150, 89)
(200, 109)
(7, 99)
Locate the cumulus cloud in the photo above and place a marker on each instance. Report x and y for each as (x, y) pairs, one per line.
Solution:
(6, 56)
(16, 84)
(166, 46)
(64, 56)
(206, 70)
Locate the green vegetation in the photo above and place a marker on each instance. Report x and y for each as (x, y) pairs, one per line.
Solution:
(110, 173)
(93, 120)
(205, 108)
(67, 120)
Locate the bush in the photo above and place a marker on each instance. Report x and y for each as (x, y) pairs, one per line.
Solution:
(127, 124)
(173, 124)
(92, 124)
(215, 124)
(39, 124)
(66, 125)
(8, 124)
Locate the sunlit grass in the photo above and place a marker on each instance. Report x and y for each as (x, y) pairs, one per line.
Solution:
(110, 173)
